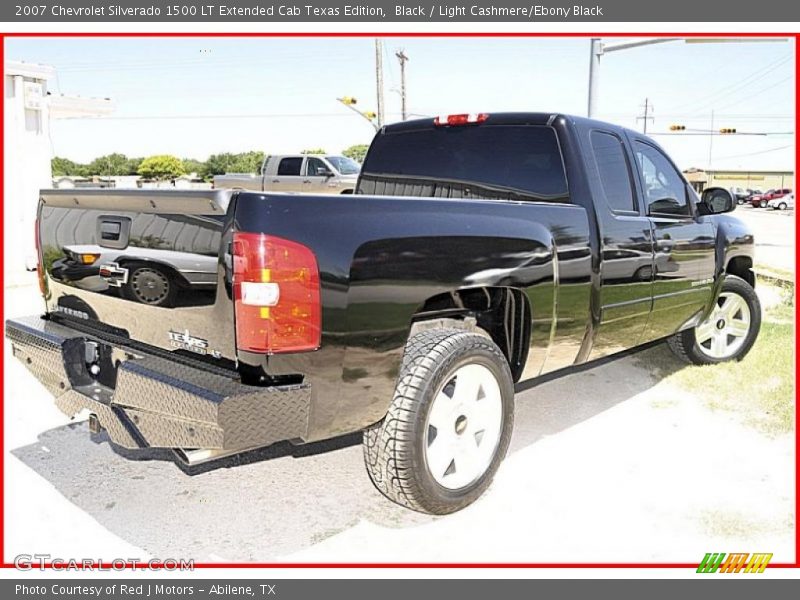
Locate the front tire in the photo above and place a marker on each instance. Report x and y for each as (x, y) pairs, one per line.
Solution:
(449, 424)
(730, 330)
(150, 284)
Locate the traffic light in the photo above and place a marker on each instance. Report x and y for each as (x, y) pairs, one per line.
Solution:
(728, 130)
(369, 114)
(348, 100)
(677, 127)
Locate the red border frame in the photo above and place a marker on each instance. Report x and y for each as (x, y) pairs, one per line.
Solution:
(476, 565)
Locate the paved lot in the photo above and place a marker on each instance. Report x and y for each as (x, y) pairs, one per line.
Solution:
(774, 233)
(608, 464)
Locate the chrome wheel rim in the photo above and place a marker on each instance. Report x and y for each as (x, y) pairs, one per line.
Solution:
(150, 286)
(724, 332)
(463, 427)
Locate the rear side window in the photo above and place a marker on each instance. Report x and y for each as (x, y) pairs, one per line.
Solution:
(615, 174)
(290, 165)
(479, 161)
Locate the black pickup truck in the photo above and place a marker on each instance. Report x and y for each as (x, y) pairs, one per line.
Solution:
(478, 251)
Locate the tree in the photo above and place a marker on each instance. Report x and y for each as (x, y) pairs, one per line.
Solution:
(62, 167)
(226, 162)
(161, 166)
(192, 165)
(314, 151)
(357, 152)
(133, 165)
(113, 164)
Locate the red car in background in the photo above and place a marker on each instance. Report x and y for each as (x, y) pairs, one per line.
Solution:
(761, 200)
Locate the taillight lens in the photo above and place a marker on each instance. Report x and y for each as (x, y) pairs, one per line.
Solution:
(455, 120)
(39, 261)
(276, 294)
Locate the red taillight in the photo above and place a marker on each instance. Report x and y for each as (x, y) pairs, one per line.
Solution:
(455, 120)
(39, 263)
(276, 294)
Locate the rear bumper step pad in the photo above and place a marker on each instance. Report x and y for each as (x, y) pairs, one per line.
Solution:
(157, 402)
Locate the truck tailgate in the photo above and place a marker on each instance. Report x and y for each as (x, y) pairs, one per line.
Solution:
(144, 265)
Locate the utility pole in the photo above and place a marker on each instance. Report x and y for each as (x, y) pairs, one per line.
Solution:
(401, 56)
(595, 52)
(646, 116)
(379, 78)
(710, 146)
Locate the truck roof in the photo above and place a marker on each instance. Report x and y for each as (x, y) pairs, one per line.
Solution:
(509, 118)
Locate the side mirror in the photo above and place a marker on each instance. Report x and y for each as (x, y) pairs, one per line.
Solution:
(324, 173)
(716, 200)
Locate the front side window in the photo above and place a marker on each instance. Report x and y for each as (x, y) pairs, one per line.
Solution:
(612, 165)
(664, 188)
(345, 166)
(290, 165)
(315, 167)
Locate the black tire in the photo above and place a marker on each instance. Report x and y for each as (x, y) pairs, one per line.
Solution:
(684, 344)
(394, 448)
(782, 206)
(139, 273)
(763, 204)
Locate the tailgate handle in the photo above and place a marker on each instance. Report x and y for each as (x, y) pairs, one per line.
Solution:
(113, 231)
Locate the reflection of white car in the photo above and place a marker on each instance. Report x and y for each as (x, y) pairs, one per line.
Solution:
(782, 203)
(146, 275)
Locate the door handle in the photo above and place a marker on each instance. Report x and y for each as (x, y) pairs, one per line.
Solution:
(306, 181)
(276, 181)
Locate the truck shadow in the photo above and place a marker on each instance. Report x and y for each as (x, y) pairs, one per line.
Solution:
(286, 498)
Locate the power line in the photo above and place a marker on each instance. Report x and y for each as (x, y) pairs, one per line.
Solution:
(216, 116)
(753, 153)
(761, 91)
(747, 80)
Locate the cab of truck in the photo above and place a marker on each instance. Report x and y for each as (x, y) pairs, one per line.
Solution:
(310, 173)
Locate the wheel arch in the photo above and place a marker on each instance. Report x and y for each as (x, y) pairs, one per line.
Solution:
(172, 271)
(742, 266)
(503, 314)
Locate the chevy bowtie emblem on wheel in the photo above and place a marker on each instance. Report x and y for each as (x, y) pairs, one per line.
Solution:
(113, 274)
(741, 562)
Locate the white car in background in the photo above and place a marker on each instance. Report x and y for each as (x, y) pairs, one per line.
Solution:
(782, 203)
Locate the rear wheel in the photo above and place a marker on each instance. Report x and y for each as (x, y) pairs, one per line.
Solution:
(763, 204)
(729, 331)
(150, 284)
(449, 424)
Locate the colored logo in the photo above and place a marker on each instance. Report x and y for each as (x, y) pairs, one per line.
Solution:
(741, 562)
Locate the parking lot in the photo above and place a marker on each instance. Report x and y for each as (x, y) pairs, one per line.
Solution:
(774, 233)
(620, 462)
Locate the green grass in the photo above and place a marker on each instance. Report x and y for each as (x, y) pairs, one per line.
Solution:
(772, 272)
(760, 388)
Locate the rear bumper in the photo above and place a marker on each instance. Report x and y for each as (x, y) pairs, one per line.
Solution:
(145, 400)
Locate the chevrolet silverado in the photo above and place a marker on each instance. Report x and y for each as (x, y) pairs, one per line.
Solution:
(478, 252)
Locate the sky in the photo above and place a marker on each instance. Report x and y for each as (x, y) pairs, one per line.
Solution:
(193, 97)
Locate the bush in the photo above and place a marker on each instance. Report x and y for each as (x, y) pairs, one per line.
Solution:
(161, 166)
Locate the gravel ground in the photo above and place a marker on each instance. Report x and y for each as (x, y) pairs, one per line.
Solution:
(607, 464)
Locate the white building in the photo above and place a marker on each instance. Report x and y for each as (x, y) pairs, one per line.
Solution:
(29, 108)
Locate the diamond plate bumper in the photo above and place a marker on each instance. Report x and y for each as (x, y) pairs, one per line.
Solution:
(153, 401)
